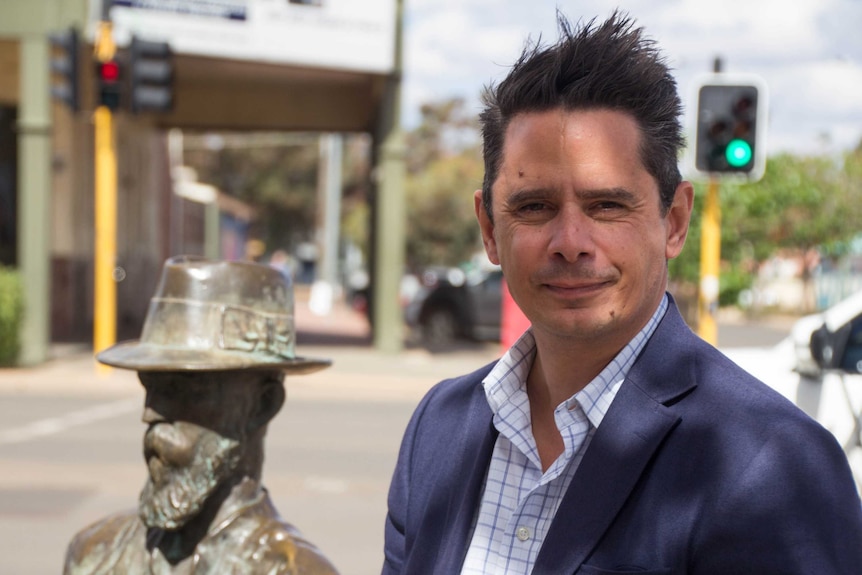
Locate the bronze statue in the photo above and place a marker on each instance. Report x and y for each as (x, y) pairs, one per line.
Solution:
(217, 342)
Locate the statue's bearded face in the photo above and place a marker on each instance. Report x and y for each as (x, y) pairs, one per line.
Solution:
(195, 442)
(186, 464)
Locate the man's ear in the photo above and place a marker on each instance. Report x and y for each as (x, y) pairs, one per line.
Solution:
(486, 226)
(270, 398)
(677, 219)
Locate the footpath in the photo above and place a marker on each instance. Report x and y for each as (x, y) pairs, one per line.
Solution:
(343, 335)
(358, 369)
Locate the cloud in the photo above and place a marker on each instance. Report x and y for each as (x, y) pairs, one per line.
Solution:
(808, 51)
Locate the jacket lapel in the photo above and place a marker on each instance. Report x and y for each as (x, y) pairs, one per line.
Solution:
(477, 436)
(614, 461)
(630, 433)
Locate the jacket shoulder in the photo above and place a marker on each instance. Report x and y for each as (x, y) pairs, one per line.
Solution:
(454, 393)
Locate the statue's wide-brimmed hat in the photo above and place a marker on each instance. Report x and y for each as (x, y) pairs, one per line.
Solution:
(216, 315)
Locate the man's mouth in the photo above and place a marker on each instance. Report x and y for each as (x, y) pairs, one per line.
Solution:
(575, 286)
(575, 289)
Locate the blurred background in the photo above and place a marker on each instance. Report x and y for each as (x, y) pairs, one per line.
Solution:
(337, 140)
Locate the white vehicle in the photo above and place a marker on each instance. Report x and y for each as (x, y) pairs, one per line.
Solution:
(831, 340)
(828, 358)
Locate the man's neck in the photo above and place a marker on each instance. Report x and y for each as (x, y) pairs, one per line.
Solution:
(565, 367)
(561, 368)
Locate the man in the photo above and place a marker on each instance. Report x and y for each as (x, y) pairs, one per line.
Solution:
(217, 341)
(609, 438)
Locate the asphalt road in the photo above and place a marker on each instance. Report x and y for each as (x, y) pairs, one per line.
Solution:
(327, 466)
(70, 448)
(71, 451)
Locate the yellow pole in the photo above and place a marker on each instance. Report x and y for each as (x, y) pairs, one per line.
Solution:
(105, 291)
(710, 256)
(105, 313)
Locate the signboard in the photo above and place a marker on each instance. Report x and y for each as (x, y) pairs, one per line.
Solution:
(340, 34)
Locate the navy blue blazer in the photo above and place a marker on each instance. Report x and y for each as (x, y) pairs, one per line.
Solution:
(696, 468)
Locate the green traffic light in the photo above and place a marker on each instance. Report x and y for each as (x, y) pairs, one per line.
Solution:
(738, 153)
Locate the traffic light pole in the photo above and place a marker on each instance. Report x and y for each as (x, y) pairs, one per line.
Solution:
(105, 291)
(710, 257)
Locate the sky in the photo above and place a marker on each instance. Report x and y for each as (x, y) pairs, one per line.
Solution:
(809, 53)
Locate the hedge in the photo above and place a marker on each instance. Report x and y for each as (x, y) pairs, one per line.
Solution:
(11, 314)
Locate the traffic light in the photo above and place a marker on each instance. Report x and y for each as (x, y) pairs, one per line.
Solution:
(152, 76)
(731, 126)
(64, 67)
(110, 90)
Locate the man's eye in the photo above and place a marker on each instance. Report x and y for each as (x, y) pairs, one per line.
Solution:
(534, 207)
(608, 206)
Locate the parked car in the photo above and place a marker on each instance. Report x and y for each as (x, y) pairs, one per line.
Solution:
(831, 340)
(828, 357)
(452, 304)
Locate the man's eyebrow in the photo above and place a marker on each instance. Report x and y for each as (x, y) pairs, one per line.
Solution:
(621, 195)
(525, 195)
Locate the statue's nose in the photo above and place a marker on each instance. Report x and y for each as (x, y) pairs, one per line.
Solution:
(151, 415)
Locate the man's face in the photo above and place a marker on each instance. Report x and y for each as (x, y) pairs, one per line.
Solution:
(194, 442)
(578, 228)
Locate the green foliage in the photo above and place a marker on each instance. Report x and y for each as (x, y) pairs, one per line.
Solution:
(11, 314)
(444, 167)
(732, 282)
(276, 174)
(801, 203)
(735, 273)
(441, 223)
(446, 128)
(278, 177)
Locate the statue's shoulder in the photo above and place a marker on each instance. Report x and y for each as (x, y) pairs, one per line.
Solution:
(100, 544)
(257, 538)
(281, 544)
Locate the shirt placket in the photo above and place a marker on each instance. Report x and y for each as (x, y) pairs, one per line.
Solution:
(524, 524)
(525, 528)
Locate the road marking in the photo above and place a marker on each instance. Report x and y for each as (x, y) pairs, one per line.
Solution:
(327, 485)
(55, 425)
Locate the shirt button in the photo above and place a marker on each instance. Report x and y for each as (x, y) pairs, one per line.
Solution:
(523, 533)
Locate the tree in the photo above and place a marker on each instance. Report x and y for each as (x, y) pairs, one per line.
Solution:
(442, 226)
(446, 129)
(802, 203)
(444, 166)
(276, 173)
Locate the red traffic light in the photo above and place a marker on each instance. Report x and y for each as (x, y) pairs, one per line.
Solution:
(109, 71)
(109, 88)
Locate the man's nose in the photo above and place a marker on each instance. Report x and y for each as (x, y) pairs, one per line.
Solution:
(571, 234)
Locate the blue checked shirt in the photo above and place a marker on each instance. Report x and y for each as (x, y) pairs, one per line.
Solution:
(519, 501)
